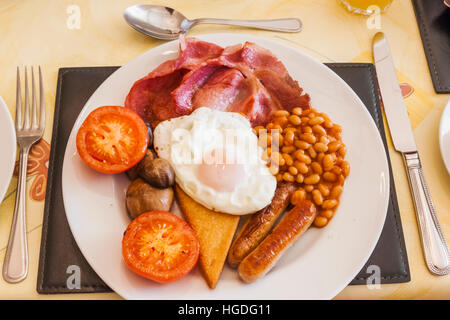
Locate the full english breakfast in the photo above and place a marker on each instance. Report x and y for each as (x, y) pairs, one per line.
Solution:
(230, 136)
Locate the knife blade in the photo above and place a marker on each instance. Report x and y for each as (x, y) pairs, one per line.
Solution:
(437, 255)
(395, 108)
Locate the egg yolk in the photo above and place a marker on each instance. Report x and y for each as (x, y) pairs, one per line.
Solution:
(219, 171)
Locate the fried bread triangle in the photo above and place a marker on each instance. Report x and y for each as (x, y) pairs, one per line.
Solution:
(215, 233)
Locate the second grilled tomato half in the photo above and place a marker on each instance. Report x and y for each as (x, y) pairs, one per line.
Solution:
(160, 246)
(112, 139)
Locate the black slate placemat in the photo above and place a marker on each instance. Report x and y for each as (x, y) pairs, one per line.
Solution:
(60, 258)
(433, 19)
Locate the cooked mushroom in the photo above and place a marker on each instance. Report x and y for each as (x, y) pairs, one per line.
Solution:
(133, 172)
(150, 134)
(158, 172)
(142, 197)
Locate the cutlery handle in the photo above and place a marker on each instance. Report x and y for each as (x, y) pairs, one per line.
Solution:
(15, 266)
(284, 25)
(433, 242)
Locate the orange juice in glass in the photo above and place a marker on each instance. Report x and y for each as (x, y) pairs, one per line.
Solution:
(365, 6)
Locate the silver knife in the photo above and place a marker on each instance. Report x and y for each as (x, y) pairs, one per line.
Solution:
(435, 248)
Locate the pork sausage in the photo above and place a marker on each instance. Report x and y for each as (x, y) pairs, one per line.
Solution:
(259, 224)
(284, 235)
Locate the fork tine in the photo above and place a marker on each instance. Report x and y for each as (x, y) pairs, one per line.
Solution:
(41, 102)
(34, 124)
(26, 124)
(18, 103)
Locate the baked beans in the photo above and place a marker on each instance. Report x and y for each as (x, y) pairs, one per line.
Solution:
(309, 152)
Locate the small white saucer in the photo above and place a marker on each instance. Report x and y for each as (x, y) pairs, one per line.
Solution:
(7, 147)
(444, 136)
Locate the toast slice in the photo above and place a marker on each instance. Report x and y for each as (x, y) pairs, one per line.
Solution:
(215, 232)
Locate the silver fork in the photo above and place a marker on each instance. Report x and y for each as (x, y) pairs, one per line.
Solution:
(29, 130)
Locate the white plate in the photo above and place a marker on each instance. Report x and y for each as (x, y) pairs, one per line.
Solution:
(319, 266)
(8, 148)
(444, 136)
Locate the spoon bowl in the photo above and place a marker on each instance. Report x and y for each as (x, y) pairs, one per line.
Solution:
(168, 24)
(156, 21)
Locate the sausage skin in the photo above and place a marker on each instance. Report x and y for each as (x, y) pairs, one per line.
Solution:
(284, 235)
(259, 224)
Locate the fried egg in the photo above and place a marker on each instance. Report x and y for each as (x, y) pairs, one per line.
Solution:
(217, 160)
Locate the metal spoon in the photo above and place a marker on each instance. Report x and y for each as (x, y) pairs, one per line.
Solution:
(168, 24)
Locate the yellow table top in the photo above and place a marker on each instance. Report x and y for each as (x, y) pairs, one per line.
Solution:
(45, 33)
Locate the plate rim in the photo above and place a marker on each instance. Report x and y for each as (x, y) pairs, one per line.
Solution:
(9, 120)
(249, 37)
